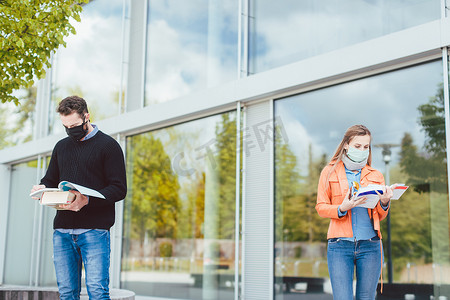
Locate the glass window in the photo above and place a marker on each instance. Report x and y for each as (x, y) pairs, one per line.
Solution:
(17, 123)
(179, 220)
(47, 276)
(90, 65)
(404, 109)
(21, 214)
(191, 45)
(288, 31)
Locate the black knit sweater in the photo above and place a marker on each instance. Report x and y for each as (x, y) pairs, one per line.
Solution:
(96, 163)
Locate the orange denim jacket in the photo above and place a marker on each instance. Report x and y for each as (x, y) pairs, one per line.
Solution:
(331, 192)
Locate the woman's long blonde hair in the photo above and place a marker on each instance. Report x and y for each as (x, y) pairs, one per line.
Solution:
(355, 130)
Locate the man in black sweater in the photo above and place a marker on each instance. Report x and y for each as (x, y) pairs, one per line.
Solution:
(90, 158)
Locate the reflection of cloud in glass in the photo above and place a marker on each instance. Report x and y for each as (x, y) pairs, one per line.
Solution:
(191, 45)
(386, 104)
(177, 70)
(299, 29)
(90, 64)
(190, 139)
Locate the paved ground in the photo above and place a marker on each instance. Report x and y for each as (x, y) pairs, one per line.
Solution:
(186, 291)
(285, 297)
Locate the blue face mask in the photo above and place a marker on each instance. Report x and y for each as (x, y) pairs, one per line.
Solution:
(357, 155)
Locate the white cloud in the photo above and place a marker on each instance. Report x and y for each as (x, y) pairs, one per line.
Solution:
(300, 29)
(386, 104)
(187, 47)
(91, 61)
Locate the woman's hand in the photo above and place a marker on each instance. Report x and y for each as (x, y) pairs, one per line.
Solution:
(349, 203)
(388, 192)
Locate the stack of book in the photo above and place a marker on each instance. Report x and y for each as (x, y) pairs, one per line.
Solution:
(55, 197)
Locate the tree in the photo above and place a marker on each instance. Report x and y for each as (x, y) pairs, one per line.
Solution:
(289, 207)
(29, 32)
(433, 123)
(25, 115)
(226, 169)
(410, 228)
(4, 141)
(296, 195)
(424, 169)
(17, 122)
(155, 202)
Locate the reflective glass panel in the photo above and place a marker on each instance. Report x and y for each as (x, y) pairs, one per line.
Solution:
(404, 110)
(17, 122)
(179, 221)
(21, 216)
(282, 32)
(47, 276)
(191, 45)
(90, 65)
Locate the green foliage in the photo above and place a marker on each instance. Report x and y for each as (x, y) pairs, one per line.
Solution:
(153, 191)
(287, 204)
(17, 122)
(433, 123)
(419, 220)
(192, 215)
(29, 32)
(296, 217)
(425, 170)
(4, 135)
(298, 251)
(165, 249)
(226, 169)
(410, 228)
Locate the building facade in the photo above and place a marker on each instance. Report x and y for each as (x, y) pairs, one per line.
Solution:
(227, 111)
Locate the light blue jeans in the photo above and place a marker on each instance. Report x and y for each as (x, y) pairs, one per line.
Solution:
(69, 251)
(343, 256)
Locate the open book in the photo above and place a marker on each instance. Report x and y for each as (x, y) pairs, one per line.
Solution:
(371, 190)
(54, 197)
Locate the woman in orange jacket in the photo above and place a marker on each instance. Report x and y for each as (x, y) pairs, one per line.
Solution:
(354, 236)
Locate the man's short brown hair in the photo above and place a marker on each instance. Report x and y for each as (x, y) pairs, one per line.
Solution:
(72, 104)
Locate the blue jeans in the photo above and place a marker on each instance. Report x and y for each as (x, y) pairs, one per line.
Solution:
(69, 251)
(343, 256)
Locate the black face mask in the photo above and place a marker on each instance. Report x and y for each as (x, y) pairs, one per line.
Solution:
(77, 132)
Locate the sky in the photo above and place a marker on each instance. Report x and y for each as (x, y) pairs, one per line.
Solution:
(192, 45)
(91, 61)
(296, 30)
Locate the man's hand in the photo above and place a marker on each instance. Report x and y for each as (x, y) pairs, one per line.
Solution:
(37, 188)
(77, 204)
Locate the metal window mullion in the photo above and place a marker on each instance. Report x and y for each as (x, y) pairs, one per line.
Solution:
(443, 9)
(117, 230)
(42, 166)
(144, 52)
(446, 109)
(34, 261)
(122, 57)
(4, 216)
(239, 37)
(244, 179)
(244, 27)
(237, 205)
(271, 200)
